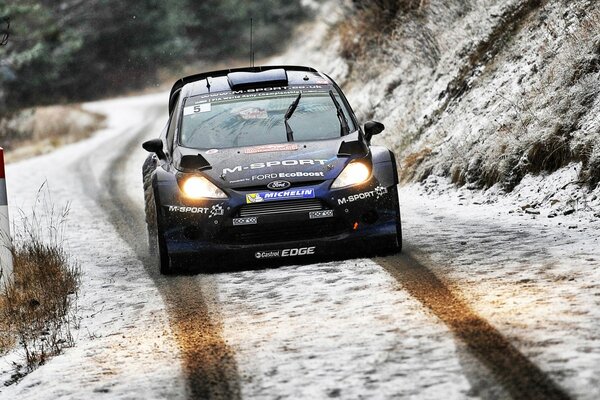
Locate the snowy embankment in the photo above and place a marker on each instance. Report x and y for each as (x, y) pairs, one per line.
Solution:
(485, 94)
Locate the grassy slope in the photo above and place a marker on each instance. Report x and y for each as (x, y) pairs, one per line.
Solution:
(483, 92)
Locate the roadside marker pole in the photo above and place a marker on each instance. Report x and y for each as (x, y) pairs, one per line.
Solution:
(6, 260)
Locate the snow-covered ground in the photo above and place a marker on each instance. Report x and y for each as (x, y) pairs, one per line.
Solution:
(535, 278)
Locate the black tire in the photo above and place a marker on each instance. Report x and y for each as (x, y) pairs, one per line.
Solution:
(157, 242)
(399, 233)
(150, 203)
(162, 255)
(398, 221)
(397, 246)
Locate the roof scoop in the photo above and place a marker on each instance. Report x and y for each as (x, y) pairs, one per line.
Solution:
(253, 80)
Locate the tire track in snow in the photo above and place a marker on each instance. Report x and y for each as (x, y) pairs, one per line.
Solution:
(511, 369)
(208, 361)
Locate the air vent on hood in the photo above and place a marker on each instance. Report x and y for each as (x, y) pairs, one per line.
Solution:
(191, 162)
(350, 148)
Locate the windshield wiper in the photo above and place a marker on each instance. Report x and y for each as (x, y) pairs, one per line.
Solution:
(340, 114)
(288, 115)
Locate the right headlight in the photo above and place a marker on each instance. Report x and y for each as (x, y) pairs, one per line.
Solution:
(198, 187)
(353, 174)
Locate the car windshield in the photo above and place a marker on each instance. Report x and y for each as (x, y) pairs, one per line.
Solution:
(258, 119)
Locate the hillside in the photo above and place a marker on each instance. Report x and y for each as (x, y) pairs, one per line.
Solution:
(497, 95)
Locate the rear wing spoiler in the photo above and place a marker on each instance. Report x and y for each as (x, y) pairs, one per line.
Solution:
(179, 84)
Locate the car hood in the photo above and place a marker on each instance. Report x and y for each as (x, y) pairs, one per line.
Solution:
(255, 166)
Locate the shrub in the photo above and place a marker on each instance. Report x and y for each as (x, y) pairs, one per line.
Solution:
(37, 308)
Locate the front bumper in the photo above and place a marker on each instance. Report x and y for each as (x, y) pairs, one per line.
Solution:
(233, 231)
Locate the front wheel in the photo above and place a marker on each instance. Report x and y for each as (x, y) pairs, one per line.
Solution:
(158, 245)
(162, 255)
(396, 247)
(398, 221)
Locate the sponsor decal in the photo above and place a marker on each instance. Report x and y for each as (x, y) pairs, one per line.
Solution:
(270, 164)
(282, 175)
(380, 191)
(279, 185)
(376, 193)
(271, 147)
(240, 180)
(245, 221)
(261, 92)
(254, 198)
(320, 214)
(293, 252)
(253, 113)
(191, 210)
(285, 195)
(216, 210)
(213, 211)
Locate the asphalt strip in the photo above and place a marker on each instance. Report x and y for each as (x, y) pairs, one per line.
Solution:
(511, 369)
(208, 362)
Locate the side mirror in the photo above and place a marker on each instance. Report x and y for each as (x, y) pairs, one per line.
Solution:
(155, 146)
(373, 128)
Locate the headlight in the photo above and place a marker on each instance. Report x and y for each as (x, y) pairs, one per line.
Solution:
(198, 187)
(353, 174)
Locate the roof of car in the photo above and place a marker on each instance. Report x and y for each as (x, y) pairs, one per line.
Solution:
(244, 78)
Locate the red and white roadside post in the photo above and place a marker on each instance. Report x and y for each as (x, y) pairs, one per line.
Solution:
(6, 260)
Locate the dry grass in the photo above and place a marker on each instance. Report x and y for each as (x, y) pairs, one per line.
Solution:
(371, 24)
(411, 162)
(37, 308)
(35, 131)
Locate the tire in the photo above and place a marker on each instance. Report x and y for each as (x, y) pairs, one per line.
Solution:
(397, 246)
(150, 203)
(399, 233)
(158, 243)
(162, 255)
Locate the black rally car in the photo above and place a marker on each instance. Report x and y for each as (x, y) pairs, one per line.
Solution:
(266, 163)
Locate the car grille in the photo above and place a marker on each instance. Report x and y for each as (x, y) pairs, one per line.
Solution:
(284, 233)
(281, 207)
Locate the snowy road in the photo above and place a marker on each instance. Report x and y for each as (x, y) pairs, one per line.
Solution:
(474, 308)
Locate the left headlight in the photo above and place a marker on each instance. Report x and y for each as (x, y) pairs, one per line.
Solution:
(198, 187)
(353, 174)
